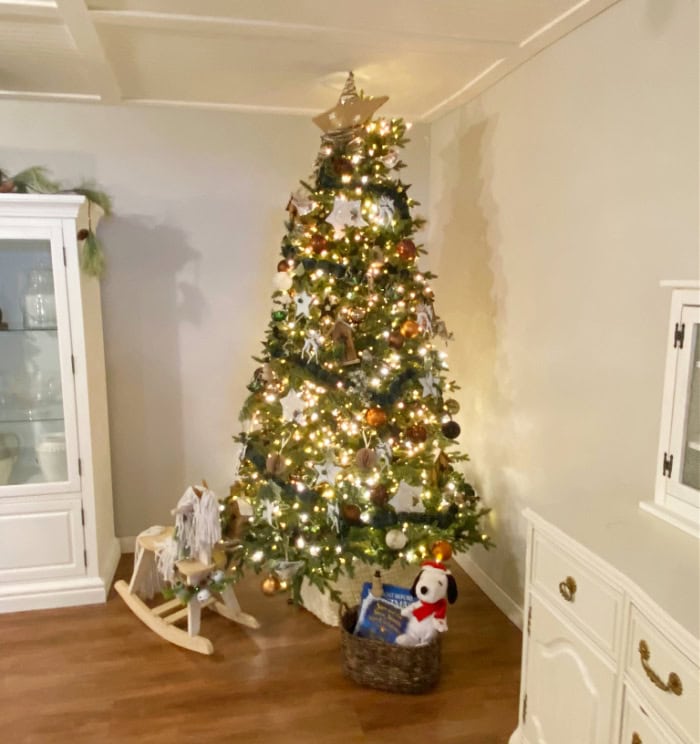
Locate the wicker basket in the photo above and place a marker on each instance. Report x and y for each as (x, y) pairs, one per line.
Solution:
(386, 666)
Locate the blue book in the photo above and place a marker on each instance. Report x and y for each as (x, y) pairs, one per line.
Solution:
(380, 617)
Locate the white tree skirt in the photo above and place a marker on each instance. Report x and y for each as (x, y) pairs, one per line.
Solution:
(321, 605)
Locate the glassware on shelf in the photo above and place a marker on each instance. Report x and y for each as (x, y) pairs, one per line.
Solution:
(9, 452)
(38, 300)
(51, 456)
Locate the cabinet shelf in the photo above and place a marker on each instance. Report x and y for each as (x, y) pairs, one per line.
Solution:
(52, 329)
(38, 418)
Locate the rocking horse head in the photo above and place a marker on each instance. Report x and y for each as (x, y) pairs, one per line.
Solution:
(197, 524)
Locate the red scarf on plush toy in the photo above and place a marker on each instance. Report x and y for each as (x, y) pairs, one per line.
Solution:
(439, 609)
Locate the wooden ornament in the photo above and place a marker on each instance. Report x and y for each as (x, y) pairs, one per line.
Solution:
(379, 495)
(417, 433)
(395, 340)
(406, 249)
(366, 458)
(270, 585)
(375, 417)
(409, 328)
(441, 468)
(451, 406)
(451, 429)
(351, 513)
(318, 243)
(441, 550)
(342, 333)
(275, 464)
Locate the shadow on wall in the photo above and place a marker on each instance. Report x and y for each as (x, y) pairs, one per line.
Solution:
(143, 306)
(472, 292)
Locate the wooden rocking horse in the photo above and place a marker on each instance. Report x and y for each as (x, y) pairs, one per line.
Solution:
(182, 554)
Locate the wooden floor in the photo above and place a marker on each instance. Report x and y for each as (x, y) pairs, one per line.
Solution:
(88, 675)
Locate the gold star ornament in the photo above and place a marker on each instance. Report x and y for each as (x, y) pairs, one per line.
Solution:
(351, 111)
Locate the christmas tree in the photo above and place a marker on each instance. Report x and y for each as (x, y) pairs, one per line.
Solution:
(349, 444)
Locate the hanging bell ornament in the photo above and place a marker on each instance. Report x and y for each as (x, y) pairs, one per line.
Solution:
(395, 340)
(379, 495)
(441, 551)
(375, 417)
(318, 243)
(409, 328)
(451, 406)
(417, 433)
(451, 429)
(366, 458)
(406, 249)
(270, 585)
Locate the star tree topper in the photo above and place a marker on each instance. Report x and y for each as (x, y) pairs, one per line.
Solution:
(350, 111)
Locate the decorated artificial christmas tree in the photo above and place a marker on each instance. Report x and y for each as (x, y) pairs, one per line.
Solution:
(348, 448)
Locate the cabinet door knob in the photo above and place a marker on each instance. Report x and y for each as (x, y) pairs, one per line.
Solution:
(636, 738)
(567, 588)
(674, 683)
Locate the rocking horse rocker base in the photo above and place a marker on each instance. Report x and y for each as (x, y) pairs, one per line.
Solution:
(162, 618)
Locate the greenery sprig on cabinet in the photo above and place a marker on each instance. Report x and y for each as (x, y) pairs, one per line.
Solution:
(37, 180)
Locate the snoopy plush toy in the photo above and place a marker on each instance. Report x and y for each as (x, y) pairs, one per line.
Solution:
(433, 588)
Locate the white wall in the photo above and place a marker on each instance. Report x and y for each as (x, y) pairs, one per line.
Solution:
(559, 199)
(199, 201)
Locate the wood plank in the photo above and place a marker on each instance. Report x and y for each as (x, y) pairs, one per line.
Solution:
(93, 674)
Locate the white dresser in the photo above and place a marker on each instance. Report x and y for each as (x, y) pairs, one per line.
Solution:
(611, 628)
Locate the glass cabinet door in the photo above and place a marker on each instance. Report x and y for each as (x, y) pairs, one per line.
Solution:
(37, 419)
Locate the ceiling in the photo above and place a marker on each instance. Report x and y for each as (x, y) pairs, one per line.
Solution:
(277, 56)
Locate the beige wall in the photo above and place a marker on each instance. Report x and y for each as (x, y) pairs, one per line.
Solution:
(199, 200)
(559, 199)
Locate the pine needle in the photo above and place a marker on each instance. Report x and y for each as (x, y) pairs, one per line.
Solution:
(92, 260)
(93, 194)
(35, 179)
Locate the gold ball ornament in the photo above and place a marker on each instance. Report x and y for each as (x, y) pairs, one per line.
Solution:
(270, 585)
(395, 539)
(366, 458)
(451, 406)
(409, 328)
(375, 417)
(406, 249)
(441, 550)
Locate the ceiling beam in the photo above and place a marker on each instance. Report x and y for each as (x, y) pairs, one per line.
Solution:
(76, 17)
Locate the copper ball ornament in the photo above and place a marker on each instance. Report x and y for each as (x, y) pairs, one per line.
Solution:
(406, 249)
(417, 433)
(283, 265)
(318, 243)
(270, 585)
(366, 458)
(375, 417)
(395, 340)
(409, 328)
(379, 495)
(441, 550)
(451, 406)
(351, 513)
(451, 429)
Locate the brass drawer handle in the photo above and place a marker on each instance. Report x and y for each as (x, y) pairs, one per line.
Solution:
(567, 588)
(674, 683)
(636, 738)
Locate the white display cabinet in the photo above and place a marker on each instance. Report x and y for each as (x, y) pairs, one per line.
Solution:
(677, 492)
(57, 543)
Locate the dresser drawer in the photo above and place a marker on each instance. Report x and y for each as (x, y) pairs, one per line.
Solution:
(664, 676)
(638, 728)
(577, 591)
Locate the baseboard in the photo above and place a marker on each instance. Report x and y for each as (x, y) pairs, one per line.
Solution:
(46, 595)
(491, 589)
(127, 544)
